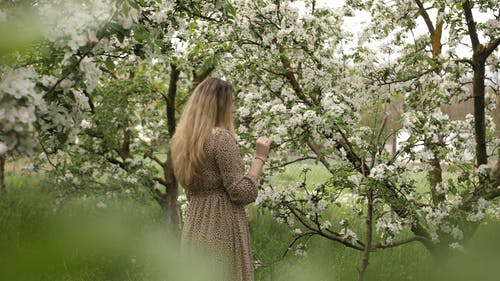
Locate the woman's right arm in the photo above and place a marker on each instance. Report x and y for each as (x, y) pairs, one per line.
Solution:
(242, 188)
(261, 152)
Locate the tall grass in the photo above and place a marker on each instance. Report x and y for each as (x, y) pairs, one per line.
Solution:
(95, 237)
(88, 238)
(329, 260)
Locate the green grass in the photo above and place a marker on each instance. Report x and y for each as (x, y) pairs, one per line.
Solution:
(87, 238)
(317, 174)
(328, 260)
(44, 238)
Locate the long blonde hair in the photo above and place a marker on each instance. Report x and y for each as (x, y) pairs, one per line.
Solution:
(209, 106)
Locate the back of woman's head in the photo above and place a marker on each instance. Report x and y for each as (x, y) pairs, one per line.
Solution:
(209, 106)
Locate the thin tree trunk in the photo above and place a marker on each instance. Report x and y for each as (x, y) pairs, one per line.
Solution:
(170, 99)
(169, 205)
(479, 115)
(478, 65)
(169, 198)
(369, 230)
(2, 174)
(435, 175)
(171, 193)
(496, 173)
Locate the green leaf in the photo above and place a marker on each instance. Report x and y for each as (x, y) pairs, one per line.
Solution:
(140, 33)
(134, 4)
(109, 63)
(126, 9)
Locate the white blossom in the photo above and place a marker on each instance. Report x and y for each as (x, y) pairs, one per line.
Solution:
(492, 23)
(479, 214)
(325, 225)
(20, 100)
(457, 246)
(456, 233)
(301, 250)
(92, 73)
(244, 111)
(85, 124)
(74, 25)
(3, 16)
(381, 171)
(3, 148)
(349, 235)
(483, 169)
(101, 205)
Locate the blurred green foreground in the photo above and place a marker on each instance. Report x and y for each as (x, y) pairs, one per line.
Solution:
(93, 238)
(89, 238)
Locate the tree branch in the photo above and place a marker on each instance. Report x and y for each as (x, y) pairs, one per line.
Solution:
(409, 78)
(314, 147)
(47, 156)
(291, 76)
(90, 102)
(292, 161)
(425, 15)
(469, 18)
(401, 242)
(491, 46)
(170, 98)
(308, 234)
(180, 4)
(369, 235)
(104, 69)
(157, 160)
(331, 237)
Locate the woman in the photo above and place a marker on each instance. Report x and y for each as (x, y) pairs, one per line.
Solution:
(208, 165)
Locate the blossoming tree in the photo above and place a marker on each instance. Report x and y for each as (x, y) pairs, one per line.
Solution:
(299, 83)
(110, 75)
(98, 94)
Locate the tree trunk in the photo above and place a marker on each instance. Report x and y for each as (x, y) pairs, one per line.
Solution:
(169, 202)
(478, 66)
(479, 115)
(435, 175)
(369, 232)
(2, 174)
(496, 173)
(169, 205)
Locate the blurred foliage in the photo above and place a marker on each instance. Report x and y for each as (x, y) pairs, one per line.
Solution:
(116, 238)
(89, 238)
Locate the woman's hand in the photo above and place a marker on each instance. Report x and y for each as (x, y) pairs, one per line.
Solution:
(262, 147)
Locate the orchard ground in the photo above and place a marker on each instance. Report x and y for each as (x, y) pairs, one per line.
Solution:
(123, 236)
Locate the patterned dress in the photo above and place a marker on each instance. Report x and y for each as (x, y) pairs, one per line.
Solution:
(215, 217)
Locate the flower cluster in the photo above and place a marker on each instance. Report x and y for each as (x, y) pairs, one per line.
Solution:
(75, 24)
(388, 229)
(19, 102)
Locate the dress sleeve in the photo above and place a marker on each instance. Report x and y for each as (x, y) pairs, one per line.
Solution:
(242, 188)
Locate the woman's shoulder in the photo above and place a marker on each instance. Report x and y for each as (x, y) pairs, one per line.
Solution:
(218, 131)
(222, 135)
